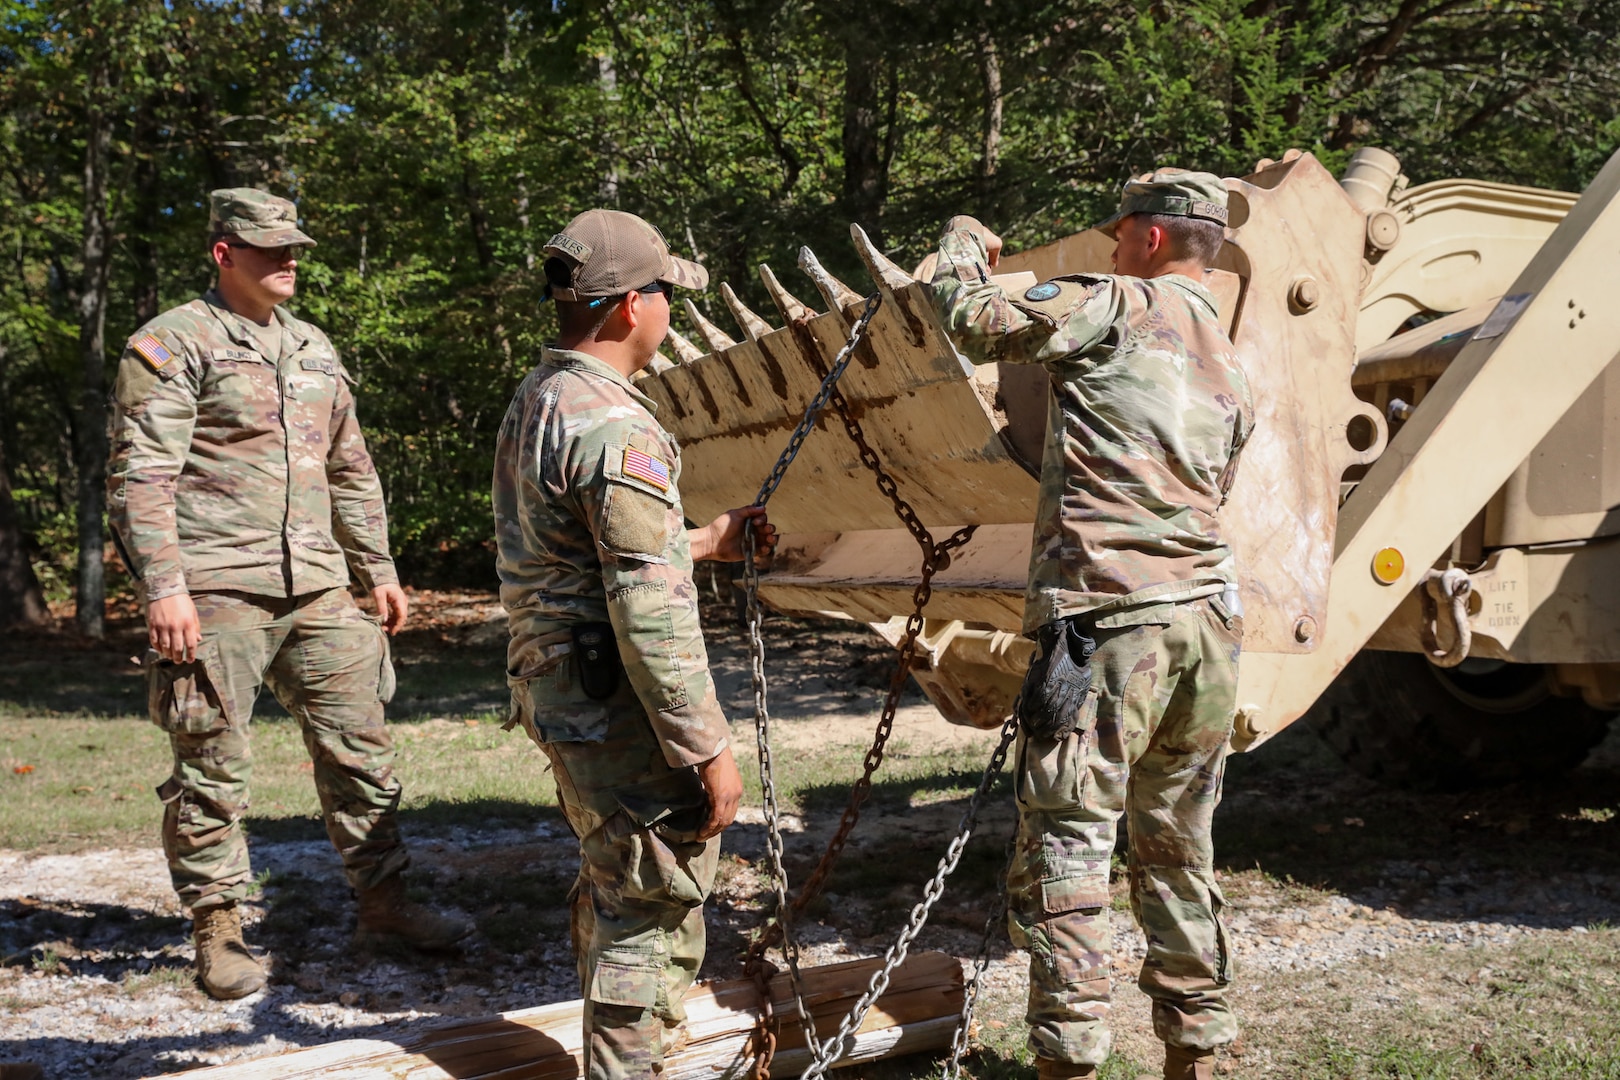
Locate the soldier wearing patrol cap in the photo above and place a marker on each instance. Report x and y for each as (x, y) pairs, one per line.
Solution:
(241, 497)
(1132, 601)
(606, 662)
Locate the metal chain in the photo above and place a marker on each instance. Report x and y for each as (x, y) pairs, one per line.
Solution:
(812, 411)
(755, 964)
(936, 556)
(992, 923)
(827, 1053)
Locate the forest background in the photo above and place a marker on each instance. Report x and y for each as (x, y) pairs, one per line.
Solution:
(433, 145)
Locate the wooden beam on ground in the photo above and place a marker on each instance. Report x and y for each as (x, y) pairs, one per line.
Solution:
(919, 1012)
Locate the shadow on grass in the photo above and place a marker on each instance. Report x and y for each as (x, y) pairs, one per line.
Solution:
(57, 673)
(1294, 811)
(422, 820)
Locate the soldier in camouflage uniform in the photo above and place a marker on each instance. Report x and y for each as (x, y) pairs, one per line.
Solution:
(241, 495)
(606, 663)
(1149, 409)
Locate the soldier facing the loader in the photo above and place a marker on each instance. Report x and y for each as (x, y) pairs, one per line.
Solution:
(1132, 600)
(239, 486)
(607, 665)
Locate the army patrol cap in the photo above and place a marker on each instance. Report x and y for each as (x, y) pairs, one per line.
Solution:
(256, 217)
(1176, 192)
(612, 253)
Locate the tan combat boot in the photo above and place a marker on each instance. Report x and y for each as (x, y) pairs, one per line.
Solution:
(387, 918)
(1180, 1063)
(1047, 1069)
(224, 966)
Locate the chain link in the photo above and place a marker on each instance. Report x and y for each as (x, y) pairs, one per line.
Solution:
(936, 556)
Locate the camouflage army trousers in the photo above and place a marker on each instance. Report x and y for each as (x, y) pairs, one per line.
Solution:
(638, 901)
(328, 665)
(1164, 697)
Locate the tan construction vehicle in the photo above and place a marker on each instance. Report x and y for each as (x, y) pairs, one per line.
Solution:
(1427, 517)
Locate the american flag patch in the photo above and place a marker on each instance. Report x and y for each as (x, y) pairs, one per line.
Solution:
(646, 467)
(152, 351)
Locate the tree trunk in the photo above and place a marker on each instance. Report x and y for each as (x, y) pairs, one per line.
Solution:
(472, 193)
(990, 152)
(22, 602)
(147, 223)
(92, 426)
(863, 150)
(607, 78)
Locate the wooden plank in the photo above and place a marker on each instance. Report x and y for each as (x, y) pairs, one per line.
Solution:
(918, 1012)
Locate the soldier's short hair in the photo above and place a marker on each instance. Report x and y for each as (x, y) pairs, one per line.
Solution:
(1190, 238)
(216, 236)
(578, 319)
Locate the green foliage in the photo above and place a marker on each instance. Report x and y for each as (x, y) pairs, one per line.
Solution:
(434, 146)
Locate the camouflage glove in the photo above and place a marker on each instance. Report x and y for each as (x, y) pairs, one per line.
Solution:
(1055, 685)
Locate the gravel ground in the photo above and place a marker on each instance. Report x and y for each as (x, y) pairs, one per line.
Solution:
(95, 958)
(114, 999)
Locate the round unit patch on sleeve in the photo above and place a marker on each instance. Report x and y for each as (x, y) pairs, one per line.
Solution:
(1044, 291)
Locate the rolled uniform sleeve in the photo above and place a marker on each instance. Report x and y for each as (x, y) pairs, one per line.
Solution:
(646, 562)
(359, 519)
(154, 413)
(990, 326)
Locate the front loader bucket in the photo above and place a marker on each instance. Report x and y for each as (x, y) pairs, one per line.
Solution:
(963, 443)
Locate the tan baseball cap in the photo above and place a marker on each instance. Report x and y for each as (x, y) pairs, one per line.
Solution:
(613, 253)
(1176, 192)
(256, 217)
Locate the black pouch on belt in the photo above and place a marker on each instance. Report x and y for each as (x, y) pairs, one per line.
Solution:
(598, 655)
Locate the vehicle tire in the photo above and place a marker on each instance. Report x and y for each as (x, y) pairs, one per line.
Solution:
(1396, 718)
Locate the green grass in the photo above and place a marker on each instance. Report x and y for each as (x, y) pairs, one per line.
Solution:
(1543, 1009)
(91, 779)
(172, 976)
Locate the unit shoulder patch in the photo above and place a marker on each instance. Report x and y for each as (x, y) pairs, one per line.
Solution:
(1051, 302)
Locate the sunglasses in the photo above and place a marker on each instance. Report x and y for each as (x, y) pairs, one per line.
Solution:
(276, 254)
(646, 290)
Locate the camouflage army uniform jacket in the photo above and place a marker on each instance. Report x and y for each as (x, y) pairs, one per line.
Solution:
(231, 471)
(589, 528)
(1149, 409)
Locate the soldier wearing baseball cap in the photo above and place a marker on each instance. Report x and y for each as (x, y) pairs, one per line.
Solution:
(1131, 587)
(607, 666)
(611, 253)
(241, 498)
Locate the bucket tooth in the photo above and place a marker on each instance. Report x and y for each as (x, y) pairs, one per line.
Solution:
(790, 307)
(685, 352)
(885, 274)
(753, 327)
(835, 292)
(711, 334)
